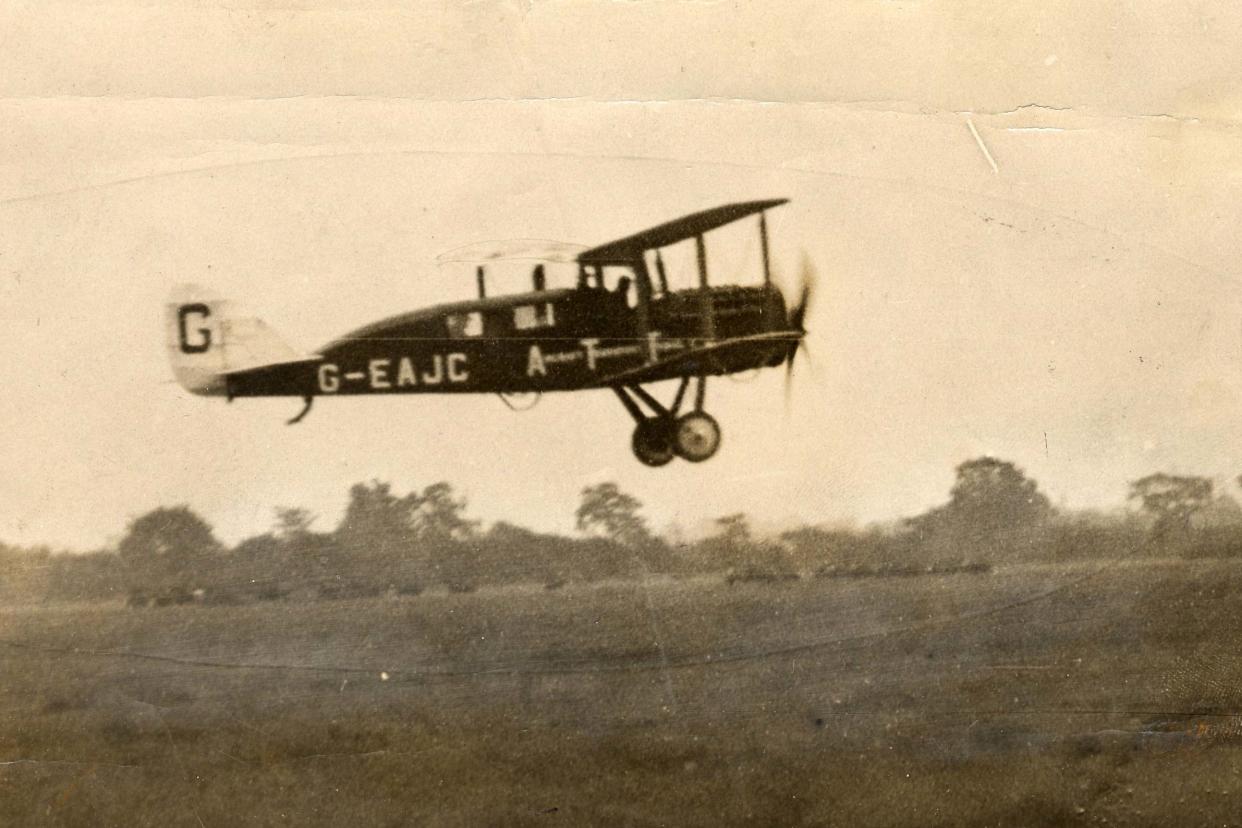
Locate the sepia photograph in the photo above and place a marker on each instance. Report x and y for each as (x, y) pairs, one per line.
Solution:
(590, 412)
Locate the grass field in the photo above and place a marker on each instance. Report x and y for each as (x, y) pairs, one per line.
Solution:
(1092, 694)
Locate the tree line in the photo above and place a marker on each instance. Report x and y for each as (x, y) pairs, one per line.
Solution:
(402, 544)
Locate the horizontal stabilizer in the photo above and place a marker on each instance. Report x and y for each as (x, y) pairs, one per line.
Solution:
(294, 361)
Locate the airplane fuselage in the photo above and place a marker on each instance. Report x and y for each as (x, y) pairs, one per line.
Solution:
(553, 340)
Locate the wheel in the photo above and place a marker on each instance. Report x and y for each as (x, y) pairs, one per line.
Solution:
(697, 437)
(653, 441)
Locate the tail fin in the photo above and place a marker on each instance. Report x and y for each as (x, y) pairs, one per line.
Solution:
(207, 340)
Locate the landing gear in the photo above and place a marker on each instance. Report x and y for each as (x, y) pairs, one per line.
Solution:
(660, 437)
(653, 441)
(697, 437)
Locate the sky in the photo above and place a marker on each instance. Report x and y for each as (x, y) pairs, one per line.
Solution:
(1023, 221)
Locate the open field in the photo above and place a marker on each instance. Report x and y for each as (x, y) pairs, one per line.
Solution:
(1033, 695)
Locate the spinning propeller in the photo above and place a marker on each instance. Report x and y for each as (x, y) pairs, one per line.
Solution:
(809, 279)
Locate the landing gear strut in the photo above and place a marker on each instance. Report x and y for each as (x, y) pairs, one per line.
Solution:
(663, 435)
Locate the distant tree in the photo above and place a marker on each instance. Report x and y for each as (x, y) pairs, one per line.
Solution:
(813, 547)
(674, 534)
(84, 577)
(257, 547)
(996, 492)
(168, 548)
(174, 534)
(504, 532)
(375, 546)
(377, 523)
(735, 550)
(994, 512)
(441, 515)
(607, 510)
(989, 496)
(734, 529)
(256, 562)
(1222, 512)
(442, 553)
(516, 554)
(293, 522)
(1171, 500)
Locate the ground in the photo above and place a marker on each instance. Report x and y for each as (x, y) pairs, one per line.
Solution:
(1079, 694)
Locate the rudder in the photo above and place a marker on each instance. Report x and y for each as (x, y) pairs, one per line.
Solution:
(207, 341)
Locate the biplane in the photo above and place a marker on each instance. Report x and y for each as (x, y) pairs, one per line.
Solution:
(618, 327)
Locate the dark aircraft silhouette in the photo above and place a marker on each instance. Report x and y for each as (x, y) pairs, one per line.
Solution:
(618, 329)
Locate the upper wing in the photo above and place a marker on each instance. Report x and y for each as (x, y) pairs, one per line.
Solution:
(632, 247)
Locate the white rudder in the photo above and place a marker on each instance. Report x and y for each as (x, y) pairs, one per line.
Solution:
(207, 341)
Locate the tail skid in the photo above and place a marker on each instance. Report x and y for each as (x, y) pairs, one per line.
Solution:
(307, 403)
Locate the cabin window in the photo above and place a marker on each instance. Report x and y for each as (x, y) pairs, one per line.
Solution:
(462, 325)
(529, 317)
